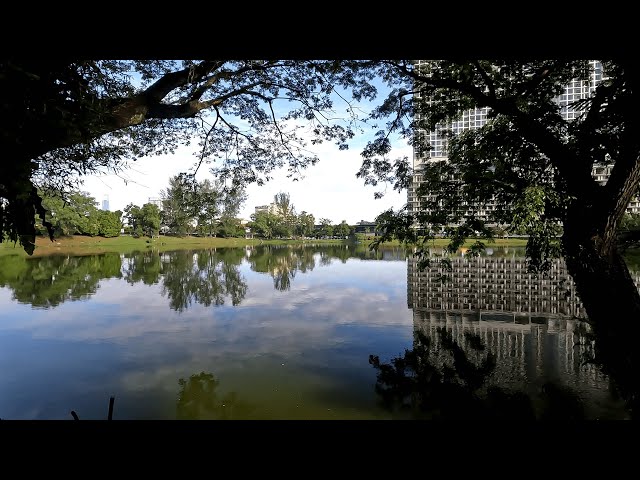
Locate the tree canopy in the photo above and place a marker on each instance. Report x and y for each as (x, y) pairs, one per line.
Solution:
(68, 119)
(536, 162)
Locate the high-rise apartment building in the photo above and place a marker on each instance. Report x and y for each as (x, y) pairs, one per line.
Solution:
(271, 208)
(105, 203)
(476, 118)
(155, 201)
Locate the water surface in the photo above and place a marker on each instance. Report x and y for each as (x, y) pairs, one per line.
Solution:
(261, 333)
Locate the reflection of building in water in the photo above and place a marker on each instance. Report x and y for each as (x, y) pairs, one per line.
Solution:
(528, 322)
(529, 355)
(494, 283)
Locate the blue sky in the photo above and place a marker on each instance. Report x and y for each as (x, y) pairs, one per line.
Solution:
(329, 189)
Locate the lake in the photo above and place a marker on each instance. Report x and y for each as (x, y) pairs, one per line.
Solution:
(281, 332)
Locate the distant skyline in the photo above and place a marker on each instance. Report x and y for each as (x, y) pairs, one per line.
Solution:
(329, 189)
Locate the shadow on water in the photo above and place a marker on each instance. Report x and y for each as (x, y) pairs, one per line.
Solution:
(444, 379)
(199, 399)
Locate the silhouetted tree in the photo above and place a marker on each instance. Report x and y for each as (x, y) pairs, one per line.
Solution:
(69, 118)
(537, 168)
(449, 382)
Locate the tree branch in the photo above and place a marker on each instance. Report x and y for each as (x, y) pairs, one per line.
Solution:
(561, 156)
(170, 81)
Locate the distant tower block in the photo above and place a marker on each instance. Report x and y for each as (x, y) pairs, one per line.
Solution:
(156, 201)
(105, 203)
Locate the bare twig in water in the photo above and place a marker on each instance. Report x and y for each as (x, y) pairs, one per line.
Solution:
(109, 417)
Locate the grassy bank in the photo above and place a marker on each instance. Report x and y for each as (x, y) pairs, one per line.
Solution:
(81, 245)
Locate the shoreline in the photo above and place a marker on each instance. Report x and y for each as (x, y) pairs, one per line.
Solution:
(84, 245)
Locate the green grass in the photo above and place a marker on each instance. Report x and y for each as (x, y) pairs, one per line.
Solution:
(81, 245)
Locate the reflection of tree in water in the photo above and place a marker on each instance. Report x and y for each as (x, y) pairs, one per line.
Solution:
(49, 281)
(206, 277)
(199, 400)
(142, 267)
(449, 383)
(282, 263)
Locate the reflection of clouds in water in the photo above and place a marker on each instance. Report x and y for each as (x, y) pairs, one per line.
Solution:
(163, 377)
(158, 345)
(119, 312)
(6, 295)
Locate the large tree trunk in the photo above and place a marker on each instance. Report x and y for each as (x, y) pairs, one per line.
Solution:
(610, 297)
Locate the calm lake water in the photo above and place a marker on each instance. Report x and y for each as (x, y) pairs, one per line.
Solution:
(273, 332)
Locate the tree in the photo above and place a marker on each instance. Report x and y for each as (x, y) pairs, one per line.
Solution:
(232, 198)
(264, 223)
(70, 118)
(133, 217)
(342, 230)
(150, 219)
(70, 214)
(442, 378)
(143, 221)
(305, 223)
(537, 165)
(284, 207)
(50, 280)
(110, 223)
(286, 213)
(326, 229)
(180, 204)
(199, 399)
(208, 278)
(207, 209)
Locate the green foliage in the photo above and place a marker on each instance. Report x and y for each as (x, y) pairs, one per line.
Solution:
(342, 230)
(432, 387)
(181, 204)
(143, 221)
(230, 227)
(205, 277)
(77, 213)
(72, 118)
(529, 219)
(284, 207)
(282, 263)
(145, 268)
(630, 222)
(529, 161)
(264, 224)
(305, 223)
(326, 228)
(150, 219)
(207, 209)
(110, 223)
